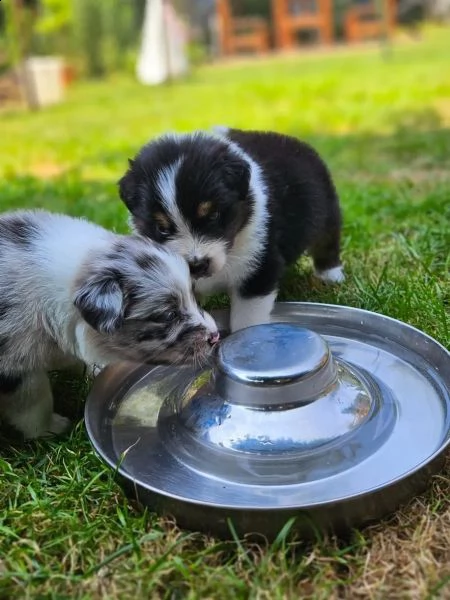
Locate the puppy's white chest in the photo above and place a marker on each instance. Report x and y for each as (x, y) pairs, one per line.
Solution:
(237, 268)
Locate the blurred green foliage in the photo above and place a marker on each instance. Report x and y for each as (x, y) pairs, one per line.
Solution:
(97, 36)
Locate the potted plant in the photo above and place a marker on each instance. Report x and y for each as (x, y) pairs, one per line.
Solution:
(32, 26)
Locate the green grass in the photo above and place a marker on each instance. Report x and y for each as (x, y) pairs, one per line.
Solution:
(66, 528)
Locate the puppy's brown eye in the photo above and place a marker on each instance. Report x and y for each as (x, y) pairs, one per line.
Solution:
(162, 230)
(162, 224)
(208, 211)
(168, 316)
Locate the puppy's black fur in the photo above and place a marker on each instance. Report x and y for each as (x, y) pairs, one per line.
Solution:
(209, 171)
(269, 198)
(302, 203)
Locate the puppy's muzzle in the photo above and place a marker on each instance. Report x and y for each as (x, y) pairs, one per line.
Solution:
(214, 338)
(199, 267)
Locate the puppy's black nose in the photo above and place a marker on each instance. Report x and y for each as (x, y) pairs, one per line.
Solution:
(199, 267)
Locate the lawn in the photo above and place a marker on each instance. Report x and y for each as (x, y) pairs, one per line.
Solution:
(382, 123)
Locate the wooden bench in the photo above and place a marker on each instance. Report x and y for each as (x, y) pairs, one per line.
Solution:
(293, 16)
(240, 34)
(363, 20)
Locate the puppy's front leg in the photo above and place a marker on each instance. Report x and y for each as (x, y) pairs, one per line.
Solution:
(252, 302)
(248, 311)
(26, 403)
(69, 363)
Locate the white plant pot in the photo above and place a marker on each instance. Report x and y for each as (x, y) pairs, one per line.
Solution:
(42, 78)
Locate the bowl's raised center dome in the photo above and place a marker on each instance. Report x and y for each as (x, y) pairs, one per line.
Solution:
(275, 392)
(272, 354)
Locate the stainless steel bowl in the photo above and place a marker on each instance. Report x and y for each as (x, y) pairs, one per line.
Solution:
(329, 414)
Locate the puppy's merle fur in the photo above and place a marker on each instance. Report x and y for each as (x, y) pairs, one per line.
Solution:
(239, 206)
(72, 291)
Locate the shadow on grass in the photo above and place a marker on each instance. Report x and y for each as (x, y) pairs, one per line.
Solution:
(420, 136)
(396, 236)
(388, 184)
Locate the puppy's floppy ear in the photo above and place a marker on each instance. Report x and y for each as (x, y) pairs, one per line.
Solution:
(237, 176)
(128, 187)
(101, 302)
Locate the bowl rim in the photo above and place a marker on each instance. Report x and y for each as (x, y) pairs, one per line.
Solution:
(94, 400)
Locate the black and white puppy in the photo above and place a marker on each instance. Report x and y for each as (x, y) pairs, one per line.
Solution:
(239, 206)
(73, 291)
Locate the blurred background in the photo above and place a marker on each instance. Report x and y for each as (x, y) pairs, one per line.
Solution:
(83, 83)
(45, 45)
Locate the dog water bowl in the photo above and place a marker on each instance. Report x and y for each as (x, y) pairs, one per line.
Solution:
(330, 415)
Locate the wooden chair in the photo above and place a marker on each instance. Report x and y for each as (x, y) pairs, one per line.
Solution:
(293, 16)
(240, 34)
(363, 20)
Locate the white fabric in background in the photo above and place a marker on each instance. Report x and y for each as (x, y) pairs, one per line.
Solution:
(163, 48)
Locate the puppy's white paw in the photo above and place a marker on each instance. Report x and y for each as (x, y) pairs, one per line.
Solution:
(58, 424)
(94, 370)
(246, 312)
(334, 275)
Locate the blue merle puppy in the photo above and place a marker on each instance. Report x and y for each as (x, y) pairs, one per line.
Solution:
(239, 206)
(71, 292)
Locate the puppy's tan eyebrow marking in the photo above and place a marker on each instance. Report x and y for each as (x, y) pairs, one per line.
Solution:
(162, 219)
(204, 208)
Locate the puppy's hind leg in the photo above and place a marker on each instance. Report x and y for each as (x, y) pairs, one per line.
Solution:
(26, 403)
(326, 257)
